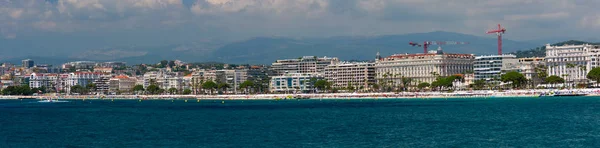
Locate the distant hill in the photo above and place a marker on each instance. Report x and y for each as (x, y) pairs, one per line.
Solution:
(265, 50)
(541, 51)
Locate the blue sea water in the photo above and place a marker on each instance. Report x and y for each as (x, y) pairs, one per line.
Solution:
(478, 122)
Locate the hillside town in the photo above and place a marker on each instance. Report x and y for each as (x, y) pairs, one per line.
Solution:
(565, 66)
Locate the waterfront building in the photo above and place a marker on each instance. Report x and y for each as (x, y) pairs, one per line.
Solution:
(421, 67)
(305, 64)
(491, 67)
(530, 67)
(293, 83)
(232, 77)
(357, 74)
(572, 62)
(122, 84)
(82, 79)
(38, 80)
(28, 63)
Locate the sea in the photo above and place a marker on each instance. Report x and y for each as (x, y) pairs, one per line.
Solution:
(472, 122)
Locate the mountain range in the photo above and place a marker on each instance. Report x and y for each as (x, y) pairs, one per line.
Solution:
(265, 50)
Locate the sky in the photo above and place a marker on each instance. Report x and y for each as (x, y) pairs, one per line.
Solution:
(106, 23)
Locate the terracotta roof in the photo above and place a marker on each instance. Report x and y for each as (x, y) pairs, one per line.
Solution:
(122, 77)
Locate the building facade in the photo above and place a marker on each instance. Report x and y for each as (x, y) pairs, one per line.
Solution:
(28, 63)
(530, 67)
(306, 64)
(491, 67)
(293, 83)
(357, 75)
(122, 84)
(572, 62)
(82, 79)
(38, 80)
(421, 67)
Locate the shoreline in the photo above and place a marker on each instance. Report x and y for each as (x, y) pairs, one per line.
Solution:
(401, 95)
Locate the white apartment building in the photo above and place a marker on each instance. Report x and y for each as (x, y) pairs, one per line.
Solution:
(490, 67)
(421, 67)
(81, 79)
(232, 77)
(292, 83)
(164, 80)
(37, 80)
(529, 66)
(305, 64)
(358, 74)
(122, 84)
(572, 62)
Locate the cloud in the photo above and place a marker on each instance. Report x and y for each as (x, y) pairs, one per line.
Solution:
(545, 16)
(525, 19)
(15, 14)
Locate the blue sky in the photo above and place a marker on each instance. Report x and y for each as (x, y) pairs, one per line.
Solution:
(108, 23)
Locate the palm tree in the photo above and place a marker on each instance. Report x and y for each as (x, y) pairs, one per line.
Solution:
(386, 80)
(566, 77)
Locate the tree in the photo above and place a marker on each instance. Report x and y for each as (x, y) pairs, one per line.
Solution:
(91, 86)
(322, 85)
(79, 89)
(18, 90)
(516, 78)
(187, 91)
(594, 75)
(138, 88)
(163, 63)
(153, 89)
(423, 85)
(172, 91)
(223, 86)
(375, 86)
(246, 84)
(210, 85)
(350, 87)
(171, 63)
(405, 82)
(478, 84)
(553, 79)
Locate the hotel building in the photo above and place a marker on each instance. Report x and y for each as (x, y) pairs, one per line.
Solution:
(359, 75)
(491, 67)
(572, 62)
(530, 67)
(422, 67)
(306, 64)
(293, 83)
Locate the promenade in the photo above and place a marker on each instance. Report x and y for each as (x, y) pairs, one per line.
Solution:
(401, 95)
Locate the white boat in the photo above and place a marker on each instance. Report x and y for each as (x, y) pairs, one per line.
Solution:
(49, 100)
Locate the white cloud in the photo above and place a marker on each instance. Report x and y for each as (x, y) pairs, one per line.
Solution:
(543, 16)
(15, 14)
(303, 17)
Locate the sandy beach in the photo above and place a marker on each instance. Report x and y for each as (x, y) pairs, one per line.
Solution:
(401, 95)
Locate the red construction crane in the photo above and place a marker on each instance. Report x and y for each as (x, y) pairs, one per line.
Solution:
(427, 43)
(499, 33)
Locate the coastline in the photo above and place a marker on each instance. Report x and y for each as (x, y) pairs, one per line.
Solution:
(401, 95)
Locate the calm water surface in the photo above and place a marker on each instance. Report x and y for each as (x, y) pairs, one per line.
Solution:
(499, 122)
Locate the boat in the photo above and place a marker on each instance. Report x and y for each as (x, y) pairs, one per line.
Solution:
(24, 98)
(563, 94)
(301, 97)
(49, 100)
(569, 95)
